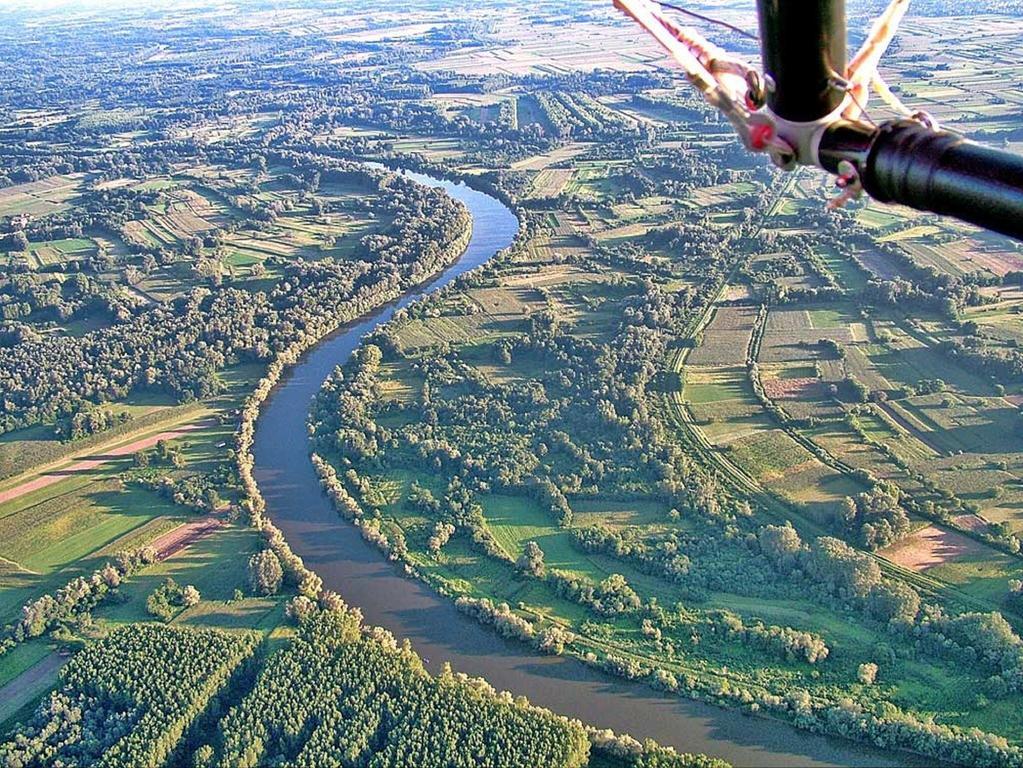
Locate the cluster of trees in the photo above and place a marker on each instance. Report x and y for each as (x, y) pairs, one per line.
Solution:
(553, 639)
(352, 391)
(176, 348)
(831, 569)
(335, 691)
(1014, 594)
(442, 533)
(199, 492)
(265, 572)
(578, 115)
(386, 536)
(500, 616)
(629, 753)
(74, 602)
(531, 560)
(127, 699)
(548, 495)
(790, 643)
(610, 597)
(89, 421)
(707, 553)
(1000, 361)
(875, 517)
(984, 641)
(677, 172)
(663, 560)
(164, 601)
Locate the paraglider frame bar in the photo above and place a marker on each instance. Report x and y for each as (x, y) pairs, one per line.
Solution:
(803, 46)
(809, 107)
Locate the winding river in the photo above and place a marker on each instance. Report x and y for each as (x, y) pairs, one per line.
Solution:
(347, 564)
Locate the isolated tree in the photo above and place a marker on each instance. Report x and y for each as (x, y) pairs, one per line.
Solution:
(531, 560)
(111, 576)
(1015, 593)
(158, 604)
(781, 544)
(300, 608)
(190, 596)
(614, 595)
(442, 532)
(867, 673)
(203, 757)
(331, 601)
(265, 572)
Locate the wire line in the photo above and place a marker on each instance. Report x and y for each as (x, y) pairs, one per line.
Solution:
(708, 19)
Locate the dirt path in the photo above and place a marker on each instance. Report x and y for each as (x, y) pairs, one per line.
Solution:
(176, 540)
(931, 546)
(29, 684)
(97, 460)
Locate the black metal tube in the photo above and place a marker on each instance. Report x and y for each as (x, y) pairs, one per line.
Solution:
(939, 171)
(845, 140)
(906, 162)
(802, 46)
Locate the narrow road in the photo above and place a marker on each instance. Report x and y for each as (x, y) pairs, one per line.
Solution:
(185, 535)
(31, 683)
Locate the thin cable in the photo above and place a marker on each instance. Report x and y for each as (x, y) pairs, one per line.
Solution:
(861, 107)
(708, 19)
(846, 86)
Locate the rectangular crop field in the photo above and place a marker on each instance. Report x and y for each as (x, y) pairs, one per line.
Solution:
(726, 338)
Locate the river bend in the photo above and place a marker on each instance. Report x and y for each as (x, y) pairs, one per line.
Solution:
(335, 550)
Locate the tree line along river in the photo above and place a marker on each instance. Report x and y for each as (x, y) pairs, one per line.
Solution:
(335, 550)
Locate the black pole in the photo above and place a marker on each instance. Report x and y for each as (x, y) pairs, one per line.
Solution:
(944, 173)
(803, 47)
(906, 162)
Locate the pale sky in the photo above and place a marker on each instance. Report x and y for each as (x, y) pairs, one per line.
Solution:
(45, 5)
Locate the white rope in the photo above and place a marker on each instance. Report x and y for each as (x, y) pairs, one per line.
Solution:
(894, 103)
(862, 70)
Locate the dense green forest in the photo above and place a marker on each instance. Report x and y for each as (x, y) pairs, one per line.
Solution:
(382, 708)
(332, 693)
(128, 699)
